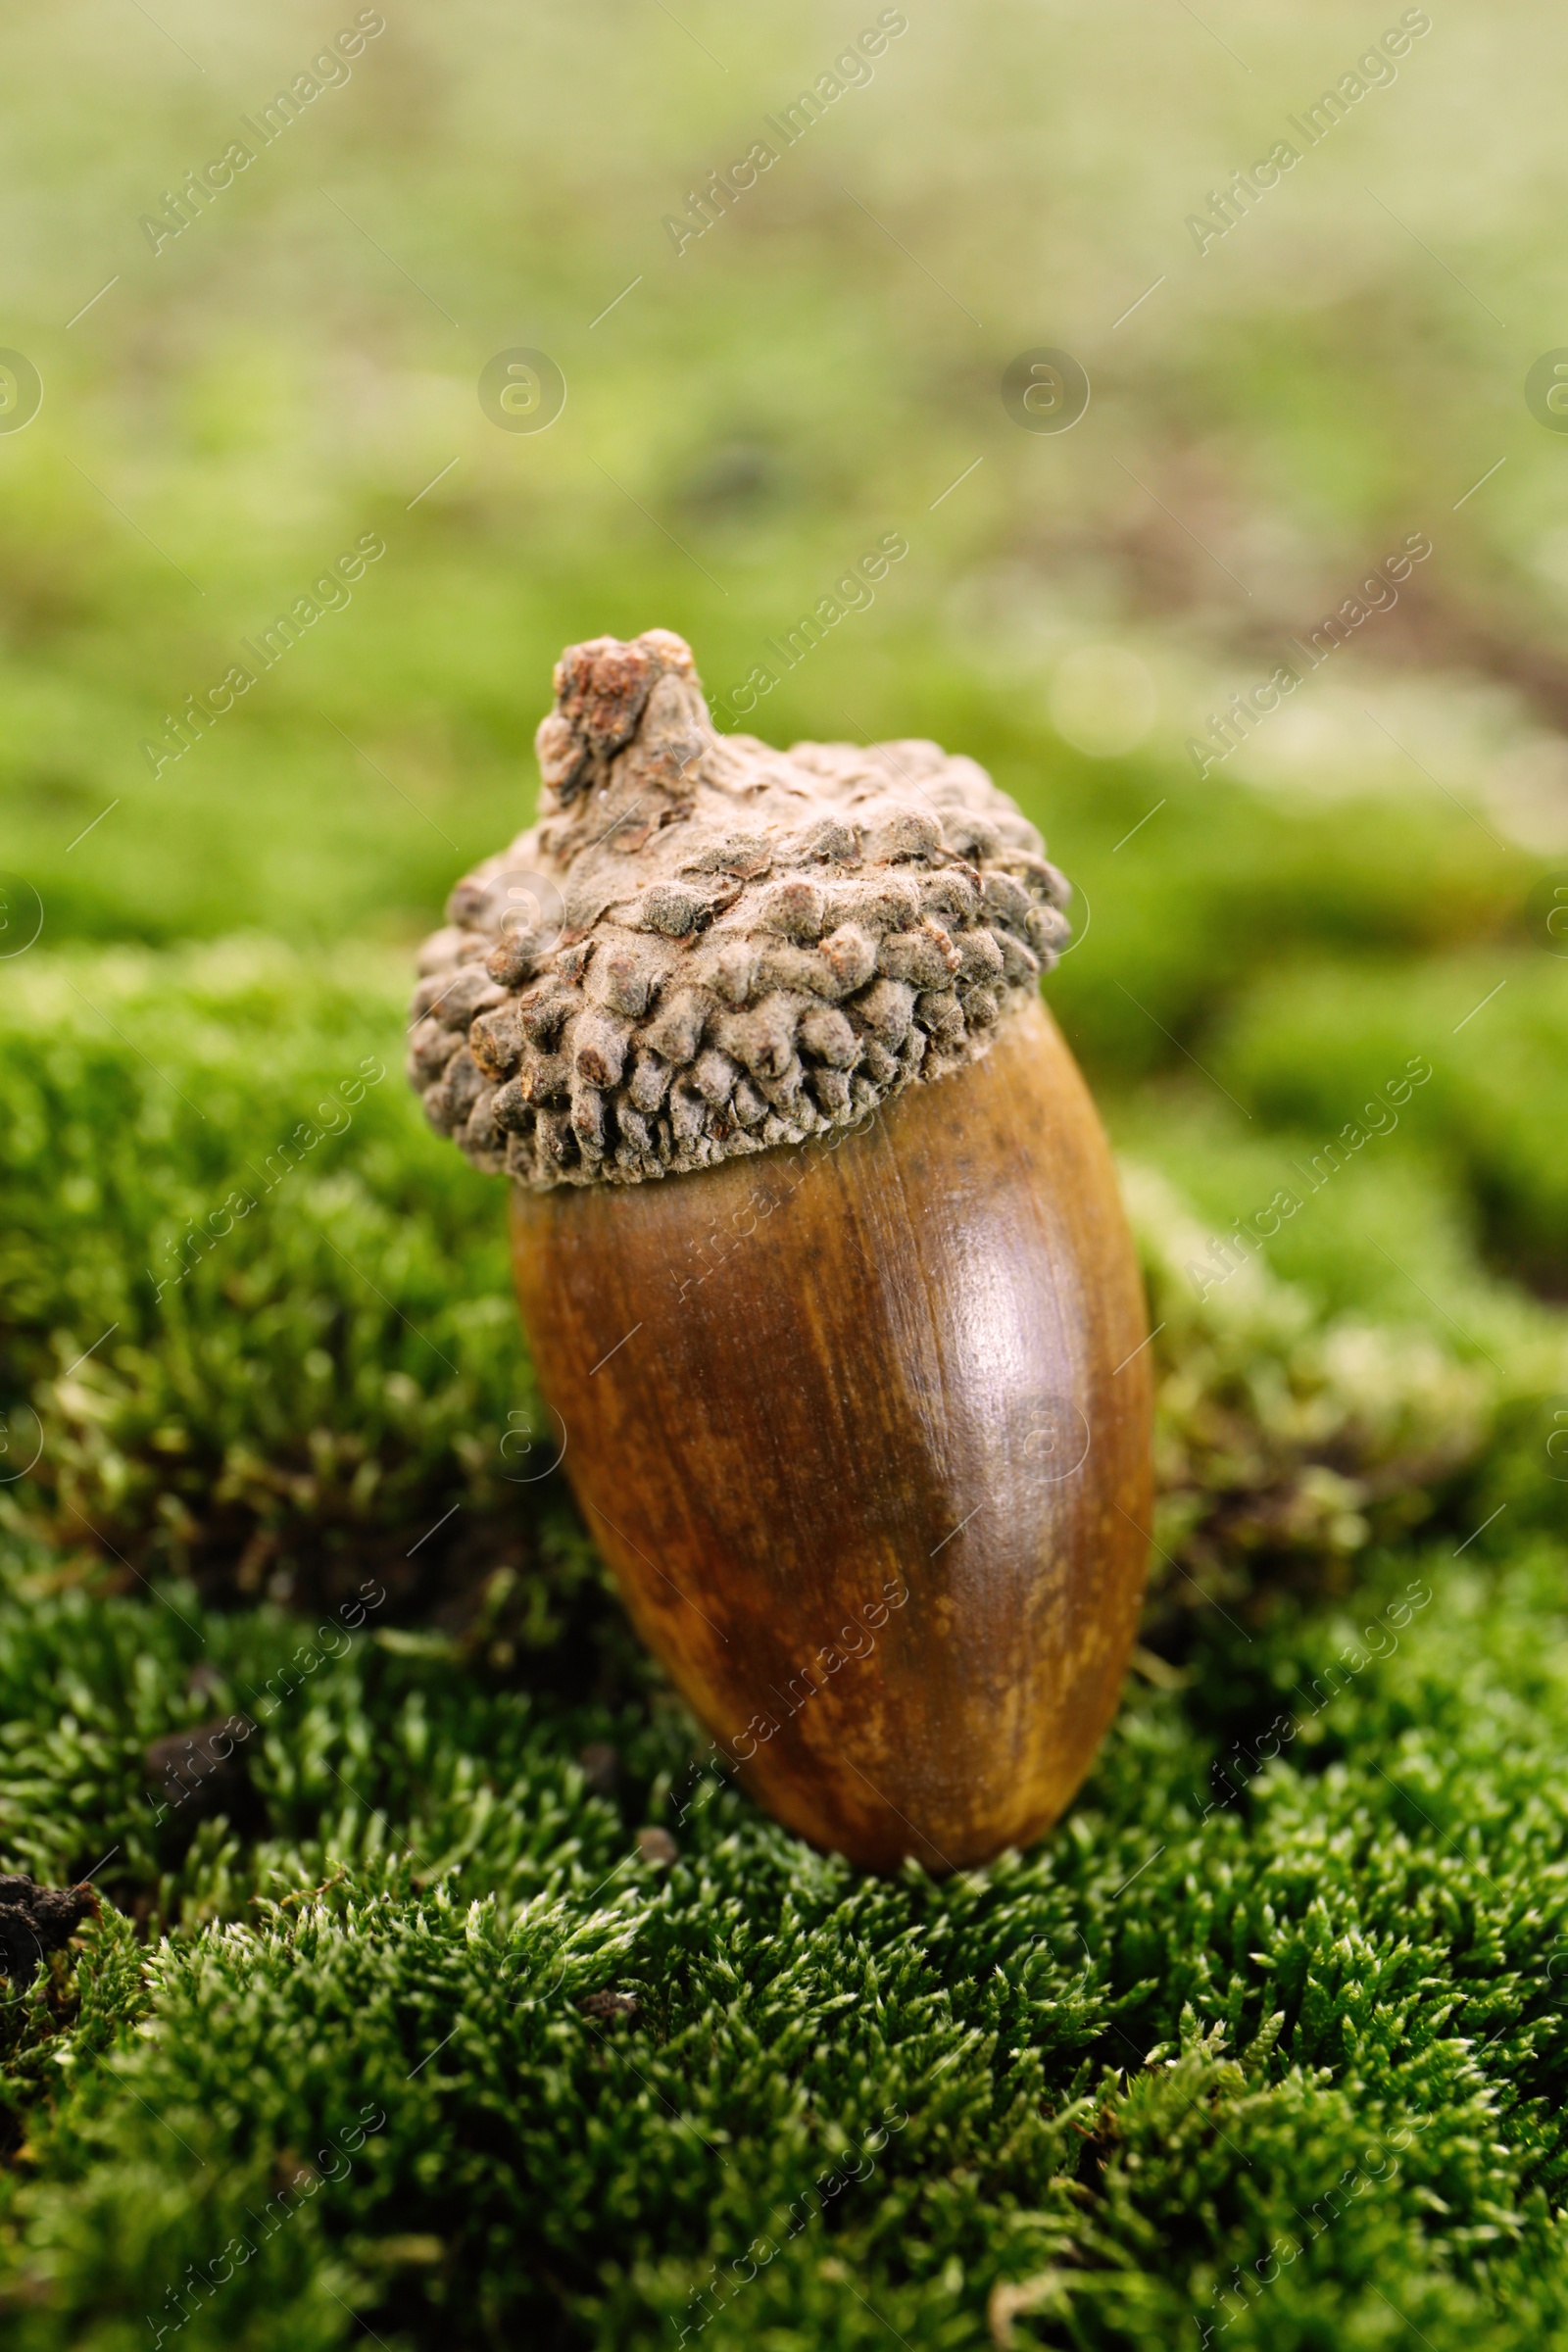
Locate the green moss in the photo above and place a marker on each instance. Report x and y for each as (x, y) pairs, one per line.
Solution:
(1315, 1050)
(1285, 1978)
(1266, 2039)
(1264, 2044)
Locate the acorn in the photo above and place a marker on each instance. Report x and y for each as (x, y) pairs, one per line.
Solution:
(818, 1242)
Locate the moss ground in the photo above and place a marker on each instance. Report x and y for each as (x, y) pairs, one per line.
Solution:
(1266, 2040)
(401, 2025)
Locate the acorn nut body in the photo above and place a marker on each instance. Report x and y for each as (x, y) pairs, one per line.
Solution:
(818, 1242)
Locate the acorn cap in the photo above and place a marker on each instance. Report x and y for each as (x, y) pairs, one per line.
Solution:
(705, 947)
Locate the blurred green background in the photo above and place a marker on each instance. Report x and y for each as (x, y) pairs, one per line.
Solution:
(1271, 416)
(201, 950)
(297, 365)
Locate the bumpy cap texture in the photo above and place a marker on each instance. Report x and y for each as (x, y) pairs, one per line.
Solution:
(705, 947)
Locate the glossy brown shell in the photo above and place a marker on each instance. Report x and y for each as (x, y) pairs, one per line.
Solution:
(864, 1430)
